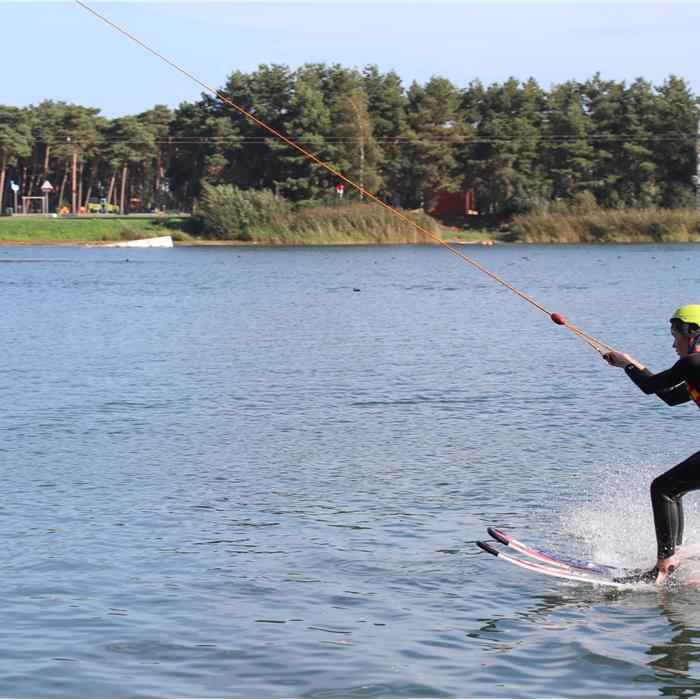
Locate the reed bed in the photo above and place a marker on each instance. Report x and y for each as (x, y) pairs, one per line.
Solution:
(652, 225)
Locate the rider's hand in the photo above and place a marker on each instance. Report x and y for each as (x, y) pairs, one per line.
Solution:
(620, 359)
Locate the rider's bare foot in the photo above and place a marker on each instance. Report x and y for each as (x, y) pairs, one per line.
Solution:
(666, 567)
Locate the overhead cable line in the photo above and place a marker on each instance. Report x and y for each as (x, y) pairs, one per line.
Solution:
(594, 343)
(187, 139)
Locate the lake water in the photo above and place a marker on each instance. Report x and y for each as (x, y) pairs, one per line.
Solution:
(246, 472)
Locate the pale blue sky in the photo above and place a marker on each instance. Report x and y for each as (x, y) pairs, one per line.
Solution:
(58, 50)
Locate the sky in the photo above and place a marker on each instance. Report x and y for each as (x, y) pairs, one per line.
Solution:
(58, 50)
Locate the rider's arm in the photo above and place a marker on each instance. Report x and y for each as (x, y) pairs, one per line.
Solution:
(672, 396)
(679, 394)
(667, 385)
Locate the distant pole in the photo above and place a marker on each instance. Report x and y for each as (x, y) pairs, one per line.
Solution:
(73, 184)
(697, 169)
(361, 129)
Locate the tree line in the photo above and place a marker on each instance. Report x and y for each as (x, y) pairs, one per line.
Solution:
(514, 145)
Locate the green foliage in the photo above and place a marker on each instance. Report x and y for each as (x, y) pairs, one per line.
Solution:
(504, 161)
(676, 114)
(516, 146)
(567, 149)
(584, 223)
(15, 132)
(434, 130)
(129, 141)
(205, 145)
(15, 136)
(229, 213)
(356, 153)
(387, 108)
(309, 123)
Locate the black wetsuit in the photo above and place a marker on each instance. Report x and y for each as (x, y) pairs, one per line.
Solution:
(668, 489)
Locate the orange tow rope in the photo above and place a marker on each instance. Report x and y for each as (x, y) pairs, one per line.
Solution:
(557, 318)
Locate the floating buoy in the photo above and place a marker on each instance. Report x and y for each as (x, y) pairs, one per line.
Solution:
(558, 319)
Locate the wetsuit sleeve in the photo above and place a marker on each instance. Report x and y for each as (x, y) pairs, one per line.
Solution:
(667, 385)
(679, 394)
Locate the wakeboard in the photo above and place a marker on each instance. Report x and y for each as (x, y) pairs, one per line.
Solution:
(568, 568)
(554, 559)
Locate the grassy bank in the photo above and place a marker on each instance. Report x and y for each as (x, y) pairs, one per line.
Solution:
(608, 226)
(368, 224)
(319, 225)
(88, 228)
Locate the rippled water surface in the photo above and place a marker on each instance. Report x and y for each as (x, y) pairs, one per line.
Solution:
(251, 472)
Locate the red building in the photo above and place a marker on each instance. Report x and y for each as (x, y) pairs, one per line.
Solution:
(455, 204)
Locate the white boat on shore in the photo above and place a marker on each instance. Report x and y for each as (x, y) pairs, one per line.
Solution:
(157, 242)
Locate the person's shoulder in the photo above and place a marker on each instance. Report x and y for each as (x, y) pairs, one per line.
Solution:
(690, 361)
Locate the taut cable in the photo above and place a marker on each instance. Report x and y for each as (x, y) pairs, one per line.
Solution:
(593, 342)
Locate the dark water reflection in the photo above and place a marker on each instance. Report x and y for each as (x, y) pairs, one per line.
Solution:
(596, 619)
(228, 474)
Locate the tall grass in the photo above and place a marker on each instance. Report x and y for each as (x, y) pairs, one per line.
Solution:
(596, 225)
(229, 213)
(355, 223)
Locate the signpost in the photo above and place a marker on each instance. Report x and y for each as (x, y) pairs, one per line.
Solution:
(15, 189)
(46, 188)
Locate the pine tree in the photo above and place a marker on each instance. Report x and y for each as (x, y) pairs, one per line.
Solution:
(675, 125)
(46, 125)
(387, 104)
(266, 94)
(308, 123)
(15, 135)
(206, 143)
(152, 187)
(130, 145)
(354, 153)
(503, 164)
(567, 153)
(434, 129)
(638, 184)
(78, 139)
(604, 100)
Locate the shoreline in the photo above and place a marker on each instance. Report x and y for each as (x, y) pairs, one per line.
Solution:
(237, 244)
(331, 244)
(358, 225)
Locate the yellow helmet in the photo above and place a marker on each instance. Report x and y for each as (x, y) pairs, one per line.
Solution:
(685, 317)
